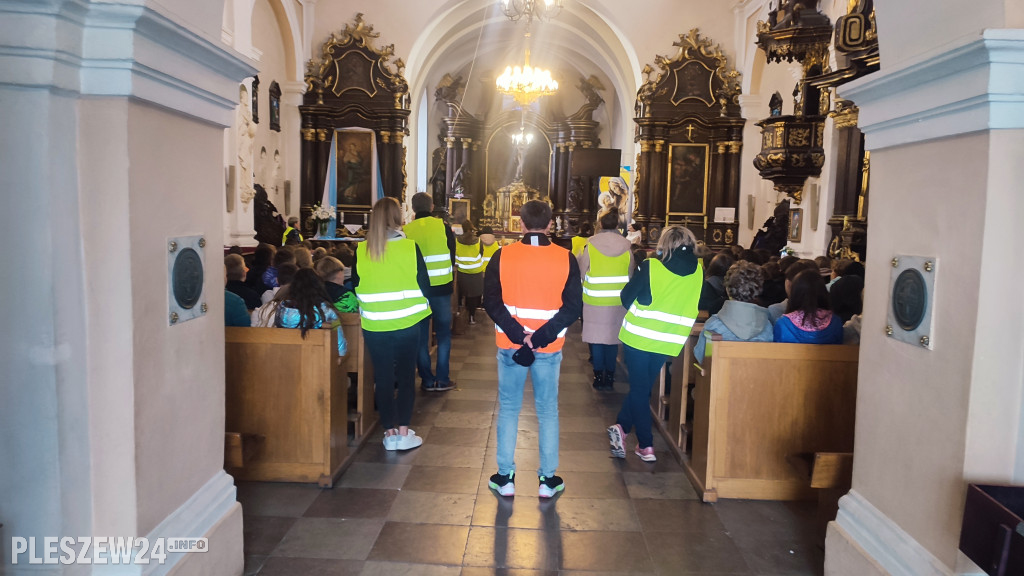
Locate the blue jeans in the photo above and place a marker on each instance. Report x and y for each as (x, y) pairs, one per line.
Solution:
(604, 356)
(644, 368)
(441, 313)
(511, 383)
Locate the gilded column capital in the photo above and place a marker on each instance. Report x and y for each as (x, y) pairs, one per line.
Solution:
(450, 141)
(466, 143)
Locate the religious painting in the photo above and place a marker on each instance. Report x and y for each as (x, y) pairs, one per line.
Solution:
(355, 169)
(687, 179)
(616, 193)
(275, 106)
(796, 222)
(354, 71)
(515, 225)
(459, 210)
(693, 81)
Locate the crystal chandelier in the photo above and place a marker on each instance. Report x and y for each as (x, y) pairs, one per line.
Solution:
(515, 10)
(526, 84)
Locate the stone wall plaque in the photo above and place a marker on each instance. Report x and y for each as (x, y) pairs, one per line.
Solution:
(911, 297)
(186, 260)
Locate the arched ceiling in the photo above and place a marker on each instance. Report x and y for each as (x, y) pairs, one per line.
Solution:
(473, 38)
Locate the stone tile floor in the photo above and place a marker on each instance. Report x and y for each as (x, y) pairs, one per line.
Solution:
(429, 511)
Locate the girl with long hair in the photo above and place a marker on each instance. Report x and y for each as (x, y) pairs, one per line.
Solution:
(809, 318)
(306, 306)
(390, 277)
(661, 307)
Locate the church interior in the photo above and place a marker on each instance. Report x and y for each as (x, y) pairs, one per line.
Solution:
(146, 138)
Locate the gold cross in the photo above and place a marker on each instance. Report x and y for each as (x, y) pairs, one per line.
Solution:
(689, 132)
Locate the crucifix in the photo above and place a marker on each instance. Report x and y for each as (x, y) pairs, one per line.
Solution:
(689, 132)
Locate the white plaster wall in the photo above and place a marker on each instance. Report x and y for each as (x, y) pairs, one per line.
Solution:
(912, 403)
(268, 40)
(178, 370)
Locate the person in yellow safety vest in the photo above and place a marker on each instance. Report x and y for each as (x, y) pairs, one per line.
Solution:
(292, 232)
(586, 230)
(437, 243)
(661, 302)
(489, 244)
(606, 264)
(470, 263)
(389, 276)
(532, 291)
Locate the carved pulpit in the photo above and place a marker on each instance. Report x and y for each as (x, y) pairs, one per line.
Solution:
(355, 94)
(690, 133)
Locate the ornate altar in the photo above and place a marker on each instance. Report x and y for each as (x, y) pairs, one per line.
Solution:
(354, 89)
(495, 163)
(690, 133)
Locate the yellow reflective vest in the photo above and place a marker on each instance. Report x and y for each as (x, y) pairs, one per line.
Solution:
(605, 279)
(468, 259)
(429, 234)
(664, 325)
(284, 237)
(389, 297)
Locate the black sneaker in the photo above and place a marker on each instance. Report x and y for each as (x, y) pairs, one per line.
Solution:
(549, 486)
(427, 386)
(443, 386)
(503, 484)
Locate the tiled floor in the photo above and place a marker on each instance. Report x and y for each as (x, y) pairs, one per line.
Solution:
(429, 511)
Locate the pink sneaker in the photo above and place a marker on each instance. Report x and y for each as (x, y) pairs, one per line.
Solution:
(646, 454)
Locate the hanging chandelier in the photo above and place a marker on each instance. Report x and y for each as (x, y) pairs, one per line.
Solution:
(526, 84)
(516, 10)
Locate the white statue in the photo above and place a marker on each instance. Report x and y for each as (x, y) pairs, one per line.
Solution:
(276, 181)
(246, 139)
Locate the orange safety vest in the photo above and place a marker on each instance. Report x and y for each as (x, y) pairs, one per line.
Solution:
(532, 280)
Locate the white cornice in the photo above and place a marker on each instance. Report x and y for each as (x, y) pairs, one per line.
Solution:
(114, 49)
(976, 85)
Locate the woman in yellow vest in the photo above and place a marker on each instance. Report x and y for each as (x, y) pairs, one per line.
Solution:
(390, 276)
(661, 307)
(469, 261)
(488, 244)
(606, 264)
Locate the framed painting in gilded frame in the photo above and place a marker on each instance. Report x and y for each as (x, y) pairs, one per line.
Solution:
(355, 169)
(515, 225)
(459, 210)
(796, 223)
(687, 180)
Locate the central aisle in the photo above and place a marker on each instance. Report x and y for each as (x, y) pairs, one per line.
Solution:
(429, 511)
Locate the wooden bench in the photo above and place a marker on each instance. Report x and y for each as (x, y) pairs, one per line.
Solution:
(830, 474)
(673, 396)
(758, 403)
(287, 403)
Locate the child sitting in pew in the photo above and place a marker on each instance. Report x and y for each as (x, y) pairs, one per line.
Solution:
(740, 318)
(809, 318)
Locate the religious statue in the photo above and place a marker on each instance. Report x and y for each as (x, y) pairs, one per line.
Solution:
(520, 144)
(246, 139)
(775, 104)
(276, 180)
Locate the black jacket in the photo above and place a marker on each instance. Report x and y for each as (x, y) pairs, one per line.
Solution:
(572, 300)
(250, 296)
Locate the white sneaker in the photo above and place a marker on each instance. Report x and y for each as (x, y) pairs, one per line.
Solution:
(407, 442)
(391, 442)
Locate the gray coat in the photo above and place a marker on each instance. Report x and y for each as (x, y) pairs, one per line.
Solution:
(601, 323)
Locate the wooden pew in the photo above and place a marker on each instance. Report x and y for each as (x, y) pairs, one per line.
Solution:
(674, 427)
(830, 474)
(291, 396)
(758, 403)
(357, 362)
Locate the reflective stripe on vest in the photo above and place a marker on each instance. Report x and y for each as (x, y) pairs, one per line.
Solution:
(429, 234)
(489, 251)
(389, 297)
(663, 327)
(468, 258)
(605, 279)
(532, 281)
